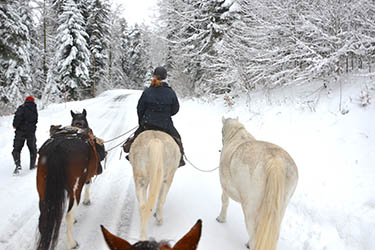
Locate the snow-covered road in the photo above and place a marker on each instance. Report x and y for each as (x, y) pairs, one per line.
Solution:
(333, 207)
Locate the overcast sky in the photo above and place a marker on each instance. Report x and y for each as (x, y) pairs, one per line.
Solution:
(138, 11)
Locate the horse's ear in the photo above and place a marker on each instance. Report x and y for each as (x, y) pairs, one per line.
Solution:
(113, 241)
(84, 112)
(191, 239)
(72, 113)
(223, 119)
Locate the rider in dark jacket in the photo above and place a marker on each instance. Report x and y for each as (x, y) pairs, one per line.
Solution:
(24, 122)
(155, 109)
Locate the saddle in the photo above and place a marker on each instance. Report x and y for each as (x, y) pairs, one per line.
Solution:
(70, 131)
(86, 134)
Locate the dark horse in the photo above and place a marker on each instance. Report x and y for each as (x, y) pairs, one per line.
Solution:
(66, 162)
(188, 242)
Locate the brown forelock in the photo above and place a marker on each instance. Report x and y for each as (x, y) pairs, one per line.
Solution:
(164, 246)
(191, 239)
(155, 81)
(114, 242)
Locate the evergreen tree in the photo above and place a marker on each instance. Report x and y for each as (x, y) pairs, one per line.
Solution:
(124, 54)
(98, 30)
(193, 29)
(15, 77)
(139, 59)
(69, 78)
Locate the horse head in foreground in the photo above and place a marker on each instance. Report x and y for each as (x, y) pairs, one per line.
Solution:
(262, 177)
(188, 242)
(67, 160)
(155, 157)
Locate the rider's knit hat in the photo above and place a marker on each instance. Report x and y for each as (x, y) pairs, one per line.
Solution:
(29, 98)
(161, 72)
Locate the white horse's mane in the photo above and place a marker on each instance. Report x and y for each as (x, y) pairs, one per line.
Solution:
(232, 127)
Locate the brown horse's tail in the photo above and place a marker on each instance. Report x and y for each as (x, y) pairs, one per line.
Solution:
(271, 210)
(54, 203)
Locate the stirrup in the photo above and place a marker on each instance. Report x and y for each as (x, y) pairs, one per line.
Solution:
(182, 162)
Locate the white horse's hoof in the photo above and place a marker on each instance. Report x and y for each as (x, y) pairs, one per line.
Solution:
(76, 246)
(159, 221)
(220, 220)
(87, 203)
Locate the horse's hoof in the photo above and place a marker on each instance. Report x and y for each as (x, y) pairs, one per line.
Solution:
(87, 203)
(76, 246)
(220, 220)
(75, 221)
(159, 221)
(247, 245)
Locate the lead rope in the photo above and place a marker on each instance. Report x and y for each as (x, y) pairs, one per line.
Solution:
(121, 135)
(201, 170)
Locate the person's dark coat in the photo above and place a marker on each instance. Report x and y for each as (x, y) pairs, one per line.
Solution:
(26, 118)
(156, 106)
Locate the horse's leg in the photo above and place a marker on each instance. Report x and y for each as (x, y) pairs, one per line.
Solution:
(159, 208)
(163, 196)
(141, 190)
(224, 206)
(71, 243)
(249, 212)
(86, 200)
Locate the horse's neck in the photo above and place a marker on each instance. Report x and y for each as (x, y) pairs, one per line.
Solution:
(240, 135)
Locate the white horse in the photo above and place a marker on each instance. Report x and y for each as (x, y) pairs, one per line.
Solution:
(155, 157)
(259, 175)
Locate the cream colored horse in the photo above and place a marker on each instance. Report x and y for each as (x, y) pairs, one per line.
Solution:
(155, 157)
(259, 175)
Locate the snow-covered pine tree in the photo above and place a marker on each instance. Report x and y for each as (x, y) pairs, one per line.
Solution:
(117, 52)
(193, 29)
(139, 58)
(15, 77)
(69, 77)
(98, 31)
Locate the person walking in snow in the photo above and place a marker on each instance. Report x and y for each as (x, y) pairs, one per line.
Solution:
(155, 109)
(24, 123)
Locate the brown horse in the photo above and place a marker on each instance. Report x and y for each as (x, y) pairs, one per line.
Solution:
(188, 242)
(66, 162)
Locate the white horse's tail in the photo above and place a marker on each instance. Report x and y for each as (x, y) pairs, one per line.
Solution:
(156, 167)
(272, 207)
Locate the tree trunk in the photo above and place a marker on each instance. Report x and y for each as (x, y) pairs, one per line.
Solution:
(94, 77)
(44, 42)
(347, 64)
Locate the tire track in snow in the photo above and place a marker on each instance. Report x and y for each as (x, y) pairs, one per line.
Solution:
(112, 193)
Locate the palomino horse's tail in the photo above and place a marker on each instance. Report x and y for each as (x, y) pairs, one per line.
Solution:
(155, 165)
(272, 207)
(53, 206)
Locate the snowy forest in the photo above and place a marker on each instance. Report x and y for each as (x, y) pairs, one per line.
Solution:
(63, 50)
